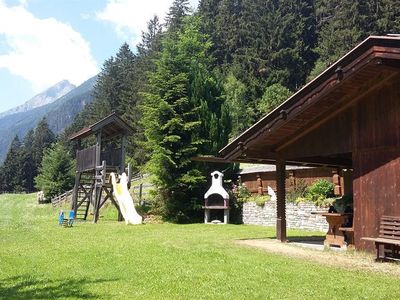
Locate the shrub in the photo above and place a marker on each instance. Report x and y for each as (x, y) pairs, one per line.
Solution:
(242, 194)
(320, 192)
(297, 191)
(260, 200)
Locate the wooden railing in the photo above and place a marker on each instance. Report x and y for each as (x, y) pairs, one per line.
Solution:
(112, 157)
(86, 159)
(59, 200)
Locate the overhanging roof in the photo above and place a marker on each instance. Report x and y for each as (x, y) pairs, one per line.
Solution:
(110, 126)
(373, 61)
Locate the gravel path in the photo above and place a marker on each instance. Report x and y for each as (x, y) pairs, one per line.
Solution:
(344, 259)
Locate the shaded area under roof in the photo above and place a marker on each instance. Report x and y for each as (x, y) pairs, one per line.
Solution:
(267, 168)
(110, 126)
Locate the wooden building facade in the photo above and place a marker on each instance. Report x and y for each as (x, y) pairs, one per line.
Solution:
(348, 118)
(258, 177)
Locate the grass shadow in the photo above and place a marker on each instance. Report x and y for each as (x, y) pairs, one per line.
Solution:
(312, 239)
(27, 287)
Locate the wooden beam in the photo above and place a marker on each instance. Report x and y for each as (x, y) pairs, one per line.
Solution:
(98, 148)
(322, 161)
(281, 201)
(96, 210)
(123, 152)
(74, 205)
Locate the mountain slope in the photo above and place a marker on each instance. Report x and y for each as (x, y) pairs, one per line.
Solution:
(48, 96)
(59, 115)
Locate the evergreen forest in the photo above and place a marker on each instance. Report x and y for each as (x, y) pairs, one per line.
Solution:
(199, 78)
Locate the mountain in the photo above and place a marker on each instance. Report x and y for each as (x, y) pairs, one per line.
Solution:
(48, 96)
(59, 114)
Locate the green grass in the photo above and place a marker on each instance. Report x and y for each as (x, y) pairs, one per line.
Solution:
(109, 260)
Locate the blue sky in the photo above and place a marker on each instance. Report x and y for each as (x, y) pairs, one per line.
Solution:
(45, 41)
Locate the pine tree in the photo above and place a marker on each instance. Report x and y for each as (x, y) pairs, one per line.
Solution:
(43, 138)
(182, 112)
(261, 43)
(28, 168)
(178, 10)
(56, 173)
(151, 38)
(11, 169)
(343, 24)
(148, 50)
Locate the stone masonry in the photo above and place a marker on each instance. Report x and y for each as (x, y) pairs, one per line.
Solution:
(298, 216)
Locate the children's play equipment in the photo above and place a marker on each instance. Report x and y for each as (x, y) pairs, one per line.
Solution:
(95, 164)
(124, 199)
(216, 198)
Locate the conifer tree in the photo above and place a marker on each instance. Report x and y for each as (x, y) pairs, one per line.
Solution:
(178, 10)
(114, 85)
(28, 167)
(150, 38)
(56, 173)
(148, 49)
(341, 25)
(43, 138)
(11, 169)
(181, 92)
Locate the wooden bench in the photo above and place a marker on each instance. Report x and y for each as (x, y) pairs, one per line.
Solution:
(388, 240)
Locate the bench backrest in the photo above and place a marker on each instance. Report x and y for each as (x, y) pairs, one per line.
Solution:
(390, 227)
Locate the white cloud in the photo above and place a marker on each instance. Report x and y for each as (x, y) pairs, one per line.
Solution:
(43, 51)
(130, 17)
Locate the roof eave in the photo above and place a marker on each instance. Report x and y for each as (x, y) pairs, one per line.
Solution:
(388, 41)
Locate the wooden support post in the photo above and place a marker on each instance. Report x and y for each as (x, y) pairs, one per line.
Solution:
(98, 148)
(140, 192)
(123, 153)
(129, 176)
(74, 205)
(99, 182)
(96, 209)
(260, 190)
(281, 201)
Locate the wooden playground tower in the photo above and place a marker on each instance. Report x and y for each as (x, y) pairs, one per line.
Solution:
(94, 165)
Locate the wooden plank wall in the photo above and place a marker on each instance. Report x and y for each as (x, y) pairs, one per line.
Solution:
(376, 160)
(292, 176)
(331, 137)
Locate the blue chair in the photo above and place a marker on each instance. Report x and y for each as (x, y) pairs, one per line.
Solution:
(71, 218)
(61, 218)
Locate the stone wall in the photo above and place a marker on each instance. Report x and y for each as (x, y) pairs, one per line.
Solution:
(298, 216)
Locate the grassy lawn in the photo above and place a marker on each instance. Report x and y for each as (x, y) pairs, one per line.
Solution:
(109, 260)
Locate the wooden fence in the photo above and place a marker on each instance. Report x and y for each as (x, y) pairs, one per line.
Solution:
(140, 189)
(63, 198)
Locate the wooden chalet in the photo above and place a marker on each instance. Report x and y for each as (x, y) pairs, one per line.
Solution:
(257, 178)
(349, 118)
(95, 163)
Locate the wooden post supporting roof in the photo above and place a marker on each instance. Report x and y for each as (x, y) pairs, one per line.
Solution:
(280, 202)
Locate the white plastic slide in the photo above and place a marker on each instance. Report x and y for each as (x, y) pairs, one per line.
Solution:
(124, 199)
